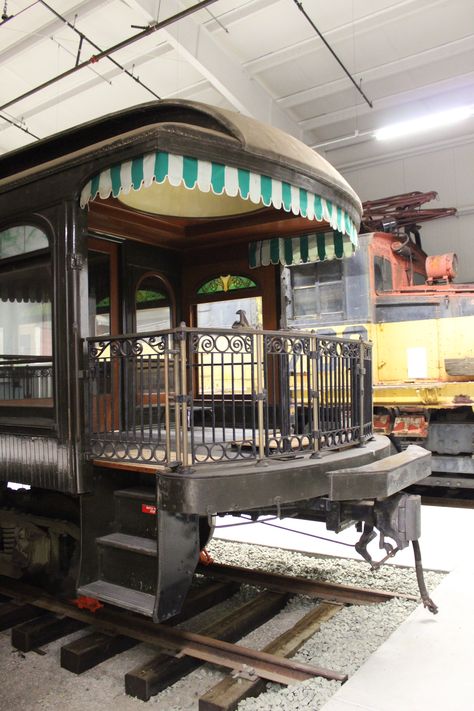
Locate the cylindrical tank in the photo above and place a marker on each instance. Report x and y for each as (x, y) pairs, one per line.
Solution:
(441, 266)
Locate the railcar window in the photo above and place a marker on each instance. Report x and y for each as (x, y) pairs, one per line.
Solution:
(21, 240)
(99, 294)
(224, 371)
(223, 314)
(25, 318)
(230, 282)
(318, 290)
(419, 279)
(383, 280)
(153, 310)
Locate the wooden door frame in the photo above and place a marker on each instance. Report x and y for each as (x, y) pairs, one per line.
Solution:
(104, 246)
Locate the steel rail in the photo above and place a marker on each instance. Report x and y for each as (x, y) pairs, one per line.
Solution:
(332, 592)
(174, 641)
(228, 693)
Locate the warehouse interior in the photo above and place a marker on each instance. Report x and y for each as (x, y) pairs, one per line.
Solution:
(384, 91)
(403, 61)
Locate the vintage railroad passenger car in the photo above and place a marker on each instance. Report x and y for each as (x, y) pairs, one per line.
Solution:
(144, 384)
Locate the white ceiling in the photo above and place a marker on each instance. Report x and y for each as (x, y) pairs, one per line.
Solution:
(260, 57)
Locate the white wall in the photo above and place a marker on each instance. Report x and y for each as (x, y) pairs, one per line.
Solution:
(449, 171)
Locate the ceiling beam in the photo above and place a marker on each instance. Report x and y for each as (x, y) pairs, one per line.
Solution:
(346, 166)
(464, 45)
(91, 80)
(224, 72)
(47, 28)
(358, 30)
(445, 87)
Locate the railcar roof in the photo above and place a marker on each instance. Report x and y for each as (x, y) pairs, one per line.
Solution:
(257, 141)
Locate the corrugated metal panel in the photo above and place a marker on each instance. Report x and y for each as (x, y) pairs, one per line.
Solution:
(38, 461)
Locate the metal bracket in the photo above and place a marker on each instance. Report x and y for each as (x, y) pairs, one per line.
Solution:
(75, 261)
(183, 399)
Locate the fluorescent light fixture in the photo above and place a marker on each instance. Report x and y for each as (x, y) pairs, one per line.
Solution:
(424, 123)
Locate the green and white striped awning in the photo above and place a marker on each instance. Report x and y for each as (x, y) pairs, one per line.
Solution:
(207, 176)
(300, 250)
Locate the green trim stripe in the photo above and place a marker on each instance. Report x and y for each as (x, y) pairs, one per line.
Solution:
(338, 244)
(288, 251)
(321, 242)
(116, 180)
(274, 251)
(218, 178)
(95, 186)
(266, 189)
(190, 171)
(161, 166)
(244, 183)
(137, 173)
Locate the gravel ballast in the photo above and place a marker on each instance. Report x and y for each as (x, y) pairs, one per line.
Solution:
(33, 682)
(348, 639)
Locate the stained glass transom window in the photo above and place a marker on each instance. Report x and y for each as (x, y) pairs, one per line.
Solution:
(230, 282)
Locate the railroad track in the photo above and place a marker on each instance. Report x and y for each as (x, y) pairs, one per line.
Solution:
(37, 618)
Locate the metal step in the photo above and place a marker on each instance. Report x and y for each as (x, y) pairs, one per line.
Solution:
(135, 512)
(135, 544)
(132, 600)
(145, 493)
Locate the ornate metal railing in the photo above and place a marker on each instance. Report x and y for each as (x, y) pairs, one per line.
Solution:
(192, 395)
(25, 378)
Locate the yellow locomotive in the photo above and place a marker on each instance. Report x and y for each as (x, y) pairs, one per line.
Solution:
(421, 326)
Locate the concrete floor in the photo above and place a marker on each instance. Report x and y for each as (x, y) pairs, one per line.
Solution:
(426, 665)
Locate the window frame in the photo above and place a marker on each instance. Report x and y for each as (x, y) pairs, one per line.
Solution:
(318, 315)
(27, 415)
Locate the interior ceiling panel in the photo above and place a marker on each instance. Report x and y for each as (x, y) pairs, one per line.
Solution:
(260, 57)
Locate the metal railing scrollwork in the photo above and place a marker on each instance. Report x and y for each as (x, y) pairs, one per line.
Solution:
(196, 396)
